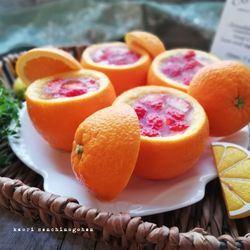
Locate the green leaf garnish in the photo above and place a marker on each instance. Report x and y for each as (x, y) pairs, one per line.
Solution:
(9, 107)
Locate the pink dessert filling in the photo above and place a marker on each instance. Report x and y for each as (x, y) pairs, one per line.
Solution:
(69, 87)
(116, 55)
(163, 115)
(183, 66)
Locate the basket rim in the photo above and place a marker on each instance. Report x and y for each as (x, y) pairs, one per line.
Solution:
(17, 196)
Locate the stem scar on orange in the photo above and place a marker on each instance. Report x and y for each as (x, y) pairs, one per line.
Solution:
(174, 130)
(105, 150)
(58, 104)
(44, 62)
(223, 89)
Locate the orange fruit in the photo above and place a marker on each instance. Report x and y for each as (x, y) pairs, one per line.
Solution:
(58, 104)
(125, 69)
(105, 150)
(176, 68)
(43, 62)
(146, 41)
(223, 89)
(174, 130)
(233, 166)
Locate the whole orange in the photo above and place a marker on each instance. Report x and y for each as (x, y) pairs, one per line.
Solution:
(223, 89)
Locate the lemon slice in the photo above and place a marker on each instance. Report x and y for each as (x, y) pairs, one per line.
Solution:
(233, 166)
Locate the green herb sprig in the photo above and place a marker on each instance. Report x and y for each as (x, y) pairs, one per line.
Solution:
(9, 107)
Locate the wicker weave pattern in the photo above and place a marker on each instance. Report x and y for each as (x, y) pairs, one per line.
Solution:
(57, 211)
(21, 192)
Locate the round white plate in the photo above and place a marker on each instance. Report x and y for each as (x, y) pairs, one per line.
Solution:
(141, 197)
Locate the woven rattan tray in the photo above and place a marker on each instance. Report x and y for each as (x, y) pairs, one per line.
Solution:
(204, 225)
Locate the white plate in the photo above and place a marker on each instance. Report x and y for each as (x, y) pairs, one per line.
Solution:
(141, 197)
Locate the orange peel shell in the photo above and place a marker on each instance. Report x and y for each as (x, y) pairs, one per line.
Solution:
(156, 77)
(57, 119)
(168, 157)
(123, 77)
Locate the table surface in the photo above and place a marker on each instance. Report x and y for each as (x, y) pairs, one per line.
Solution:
(16, 240)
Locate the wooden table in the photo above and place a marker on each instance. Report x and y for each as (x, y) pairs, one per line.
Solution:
(12, 239)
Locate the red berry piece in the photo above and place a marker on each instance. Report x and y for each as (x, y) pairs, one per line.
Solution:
(178, 127)
(187, 80)
(157, 104)
(115, 56)
(72, 92)
(177, 115)
(189, 55)
(170, 121)
(155, 121)
(92, 81)
(140, 110)
(172, 71)
(150, 132)
(190, 65)
(73, 87)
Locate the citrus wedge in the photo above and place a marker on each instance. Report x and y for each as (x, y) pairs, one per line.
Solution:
(58, 104)
(105, 150)
(146, 41)
(125, 69)
(176, 68)
(174, 130)
(43, 62)
(233, 166)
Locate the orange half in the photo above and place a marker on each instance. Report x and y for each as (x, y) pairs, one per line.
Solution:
(57, 119)
(146, 41)
(169, 156)
(105, 150)
(44, 62)
(123, 77)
